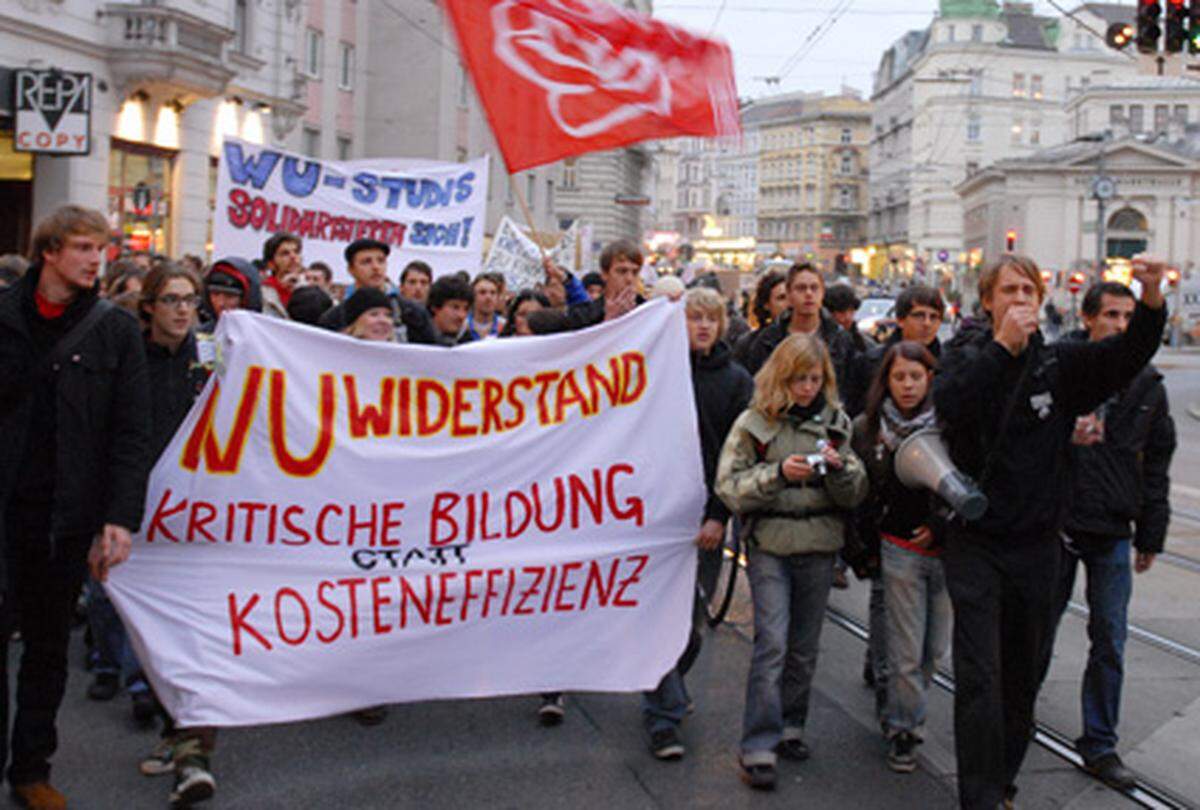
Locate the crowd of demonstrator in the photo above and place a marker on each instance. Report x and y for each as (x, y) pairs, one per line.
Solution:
(800, 418)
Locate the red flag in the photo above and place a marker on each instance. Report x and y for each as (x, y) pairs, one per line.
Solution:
(564, 77)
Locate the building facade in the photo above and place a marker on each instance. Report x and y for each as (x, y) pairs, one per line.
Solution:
(168, 82)
(983, 83)
(812, 175)
(1047, 203)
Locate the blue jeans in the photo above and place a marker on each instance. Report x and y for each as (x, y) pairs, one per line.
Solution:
(666, 706)
(790, 594)
(918, 632)
(1109, 586)
(877, 645)
(114, 653)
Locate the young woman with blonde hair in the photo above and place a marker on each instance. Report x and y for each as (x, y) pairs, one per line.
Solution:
(788, 470)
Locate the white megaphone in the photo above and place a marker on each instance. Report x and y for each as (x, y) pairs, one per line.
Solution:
(922, 461)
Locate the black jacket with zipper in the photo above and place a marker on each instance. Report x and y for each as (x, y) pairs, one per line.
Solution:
(99, 427)
(1026, 478)
(1124, 479)
(723, 390)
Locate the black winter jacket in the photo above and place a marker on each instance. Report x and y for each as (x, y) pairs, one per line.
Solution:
(723, 390)
(1124, 479)
(101, 399)
(1049, 386)
(175, 382)
(890, 507)
(841, 349)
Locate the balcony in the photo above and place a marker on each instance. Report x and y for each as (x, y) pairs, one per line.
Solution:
(159, 46)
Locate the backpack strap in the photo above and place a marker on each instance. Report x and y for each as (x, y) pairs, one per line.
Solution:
(68, 342)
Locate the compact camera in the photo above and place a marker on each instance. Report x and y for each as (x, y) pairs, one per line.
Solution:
(816, 460)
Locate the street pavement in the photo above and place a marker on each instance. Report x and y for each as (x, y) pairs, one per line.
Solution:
(492, 753)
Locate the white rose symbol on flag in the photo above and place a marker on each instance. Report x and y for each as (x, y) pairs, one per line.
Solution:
(591, 87)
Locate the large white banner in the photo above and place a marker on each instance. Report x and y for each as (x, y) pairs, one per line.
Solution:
(340, 524)
(423, 210)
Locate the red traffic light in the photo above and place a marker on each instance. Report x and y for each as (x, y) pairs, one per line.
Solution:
(1075, 282)
(1173, 276)
(1010, 240)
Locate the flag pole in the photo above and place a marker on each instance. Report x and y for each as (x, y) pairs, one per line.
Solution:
(524, 206)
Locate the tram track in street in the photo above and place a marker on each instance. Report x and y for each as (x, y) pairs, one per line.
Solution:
(1144, 793)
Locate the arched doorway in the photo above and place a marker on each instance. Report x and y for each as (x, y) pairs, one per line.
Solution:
(1127, 234)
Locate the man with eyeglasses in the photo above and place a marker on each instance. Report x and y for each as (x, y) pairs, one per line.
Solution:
(180, 361)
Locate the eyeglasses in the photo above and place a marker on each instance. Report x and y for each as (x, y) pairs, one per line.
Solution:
(172, 300)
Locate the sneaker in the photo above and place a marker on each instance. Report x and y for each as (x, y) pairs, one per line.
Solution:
(104, 686)
(902, 753)
(194, 783)
(1110, 770)
(160, 761)
(552, 711)
(370, 717)
(793, 749)
(759, 777)
(145, 708)
(665, 744)
(39, 796)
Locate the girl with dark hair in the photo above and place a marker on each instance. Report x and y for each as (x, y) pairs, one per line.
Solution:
(902, 533)
(522, 305)
(770, 299)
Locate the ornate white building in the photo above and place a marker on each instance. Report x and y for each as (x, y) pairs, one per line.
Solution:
(983, 83)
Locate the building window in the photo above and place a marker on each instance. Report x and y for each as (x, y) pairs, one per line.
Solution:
(846, 198)
(344, 147)
(976, 87)
(1018, 86)
(973, 127)
(847, 136)
(1035, 86)
(1137, 122)
(972, 168)
(847, 164)
(950, 33)
(977, 33)
(310, 142)
(1116, 114)
(463, 84)
(549, 195)
(571, 174)
(1018, 127)
(531, 190)
(314, 43)
(1181, 113)
(346, 69)
(241, 26)
(1162, 114)
(139, 195)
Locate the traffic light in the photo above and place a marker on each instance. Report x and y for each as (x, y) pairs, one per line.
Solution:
(1010, 240)
(1173, 276)
(1194, 28)
(1178, 23)
(1121, 34)
(1075, 282)
(1148, 31)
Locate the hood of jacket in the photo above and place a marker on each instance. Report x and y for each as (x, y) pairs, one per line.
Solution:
(243, 270)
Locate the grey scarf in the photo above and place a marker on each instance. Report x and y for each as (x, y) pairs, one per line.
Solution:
(894, 428)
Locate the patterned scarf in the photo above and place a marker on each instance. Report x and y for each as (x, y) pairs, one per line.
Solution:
(894, 428)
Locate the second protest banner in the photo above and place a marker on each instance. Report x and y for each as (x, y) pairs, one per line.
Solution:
(341, 524)
(434, 212)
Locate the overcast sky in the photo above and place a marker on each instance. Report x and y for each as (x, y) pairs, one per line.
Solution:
(775, 37)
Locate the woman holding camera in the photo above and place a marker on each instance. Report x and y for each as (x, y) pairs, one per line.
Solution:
(788, 470)
(902, 530)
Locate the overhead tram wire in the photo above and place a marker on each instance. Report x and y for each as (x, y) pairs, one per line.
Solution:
(716, 20)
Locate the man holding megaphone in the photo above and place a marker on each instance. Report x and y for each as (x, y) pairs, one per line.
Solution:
(1008, 403)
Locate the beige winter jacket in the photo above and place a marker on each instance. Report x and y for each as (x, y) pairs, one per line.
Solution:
(790, 518)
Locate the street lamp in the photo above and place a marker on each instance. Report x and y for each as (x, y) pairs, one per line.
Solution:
(1104, 188)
